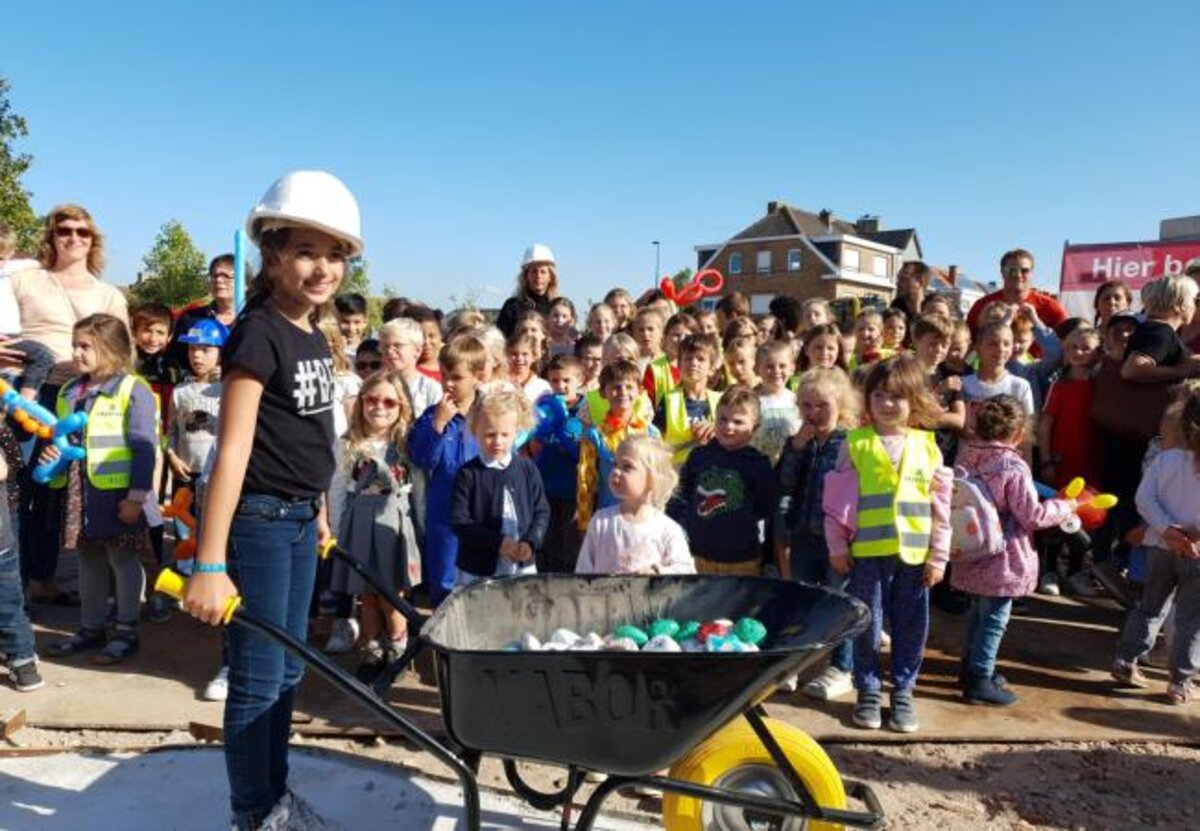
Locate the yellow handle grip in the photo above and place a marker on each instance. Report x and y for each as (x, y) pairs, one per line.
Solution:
(173, 584)
(326, 549)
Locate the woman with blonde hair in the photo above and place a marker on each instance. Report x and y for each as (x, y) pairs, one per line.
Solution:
(537, 285)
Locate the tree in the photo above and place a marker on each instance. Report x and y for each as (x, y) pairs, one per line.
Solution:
(356, 280)
(15, 208)
(176, 270)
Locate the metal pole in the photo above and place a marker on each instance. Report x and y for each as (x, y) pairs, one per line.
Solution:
(657, 251)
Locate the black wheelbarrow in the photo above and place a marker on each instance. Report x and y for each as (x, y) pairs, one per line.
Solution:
(625, 715)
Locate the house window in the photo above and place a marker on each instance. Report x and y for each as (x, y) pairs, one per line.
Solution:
(850, 259)
(760, 304)
(763, 262)
(735, 263)
(794, 259)
(879, 266)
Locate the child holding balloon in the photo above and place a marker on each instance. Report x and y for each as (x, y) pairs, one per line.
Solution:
(992, 582)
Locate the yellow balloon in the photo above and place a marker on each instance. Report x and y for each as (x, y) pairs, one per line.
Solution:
(1103, 501)
(1074, 488)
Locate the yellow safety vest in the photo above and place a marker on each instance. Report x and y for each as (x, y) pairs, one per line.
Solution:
(109, 460)
(678, 434)
(664, 381)
(895, 508)
(597, 407)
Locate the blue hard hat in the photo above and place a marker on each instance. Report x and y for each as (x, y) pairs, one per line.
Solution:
(206, 332)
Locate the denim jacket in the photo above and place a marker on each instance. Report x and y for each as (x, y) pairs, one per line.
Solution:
(802, 486)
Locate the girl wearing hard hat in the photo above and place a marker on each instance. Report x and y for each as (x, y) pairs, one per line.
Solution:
(265, 512)
(537, 285)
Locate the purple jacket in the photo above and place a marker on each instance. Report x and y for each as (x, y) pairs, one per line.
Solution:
(1014, 572)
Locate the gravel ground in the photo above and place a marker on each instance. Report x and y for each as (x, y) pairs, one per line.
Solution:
(1092, 786)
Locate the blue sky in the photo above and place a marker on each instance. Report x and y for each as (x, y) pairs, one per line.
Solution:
(468, 130)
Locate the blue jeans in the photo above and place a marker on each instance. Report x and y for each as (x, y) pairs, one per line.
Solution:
(809, 569)
(893, 589)
(273, 562)
(16, 635)
(986, 621)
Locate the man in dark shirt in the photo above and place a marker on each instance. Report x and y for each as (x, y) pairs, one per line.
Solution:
(222, 308)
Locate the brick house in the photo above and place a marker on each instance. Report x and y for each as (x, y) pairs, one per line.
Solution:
(794, 252)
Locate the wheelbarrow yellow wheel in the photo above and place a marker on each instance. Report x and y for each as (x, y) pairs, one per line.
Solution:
(735, 759)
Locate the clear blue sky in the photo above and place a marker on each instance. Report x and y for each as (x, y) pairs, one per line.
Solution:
(468, 130)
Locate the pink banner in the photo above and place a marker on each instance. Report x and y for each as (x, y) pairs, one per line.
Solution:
(1086, 266)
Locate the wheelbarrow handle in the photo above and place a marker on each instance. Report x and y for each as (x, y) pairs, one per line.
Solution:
(173, 584)
(371, 577)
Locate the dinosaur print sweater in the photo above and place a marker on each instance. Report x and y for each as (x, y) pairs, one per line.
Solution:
(722, 500)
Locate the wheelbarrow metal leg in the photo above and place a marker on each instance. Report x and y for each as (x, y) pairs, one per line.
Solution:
(371, 577)
(363, 694)
(755, 716)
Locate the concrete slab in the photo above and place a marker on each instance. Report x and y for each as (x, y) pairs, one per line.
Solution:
(66, 792)
(1056, 658)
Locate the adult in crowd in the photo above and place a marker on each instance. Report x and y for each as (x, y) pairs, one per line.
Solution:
(911, 282)
(221, 307)
(1129, 402)
(1016, 269)
(65, 288)
(1190, 333)
(537, 285)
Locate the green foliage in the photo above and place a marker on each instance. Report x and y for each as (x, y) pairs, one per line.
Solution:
(176, 270)
(682, 277)
(356, 281)
(15, 208)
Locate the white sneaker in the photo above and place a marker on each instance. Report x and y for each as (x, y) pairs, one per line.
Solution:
(343, 635)
(885, 640)
(790, 684)
(1080, 585)
(1048, 585)
(218, 688)
(830, 684)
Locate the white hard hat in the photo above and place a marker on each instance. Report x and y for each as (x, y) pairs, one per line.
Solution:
(313, 198)
(537, 253)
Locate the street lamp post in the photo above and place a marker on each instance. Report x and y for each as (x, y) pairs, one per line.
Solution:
(657, 249)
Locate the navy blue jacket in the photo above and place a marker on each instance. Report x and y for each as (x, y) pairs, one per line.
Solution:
(722, 497)
(477, 510)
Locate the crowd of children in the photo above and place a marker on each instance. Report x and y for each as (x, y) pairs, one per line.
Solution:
(656, 440)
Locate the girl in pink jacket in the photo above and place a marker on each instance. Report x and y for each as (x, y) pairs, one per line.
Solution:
(993, 582)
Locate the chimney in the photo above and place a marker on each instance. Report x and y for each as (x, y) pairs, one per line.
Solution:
(774, 206)
(952, 275)
(826, 216)
(867, 224)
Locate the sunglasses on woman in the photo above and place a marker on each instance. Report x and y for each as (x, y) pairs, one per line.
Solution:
(378, 401)
(67, 231)
(368, 365)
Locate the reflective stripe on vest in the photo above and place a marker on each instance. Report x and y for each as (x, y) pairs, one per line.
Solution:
(109, 460)
(895, 508)
(664, 381)
(678, 434)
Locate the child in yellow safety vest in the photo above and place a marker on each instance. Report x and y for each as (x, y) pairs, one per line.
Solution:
(603, 434)
(887, 524)
(689, 411)
(110, 502)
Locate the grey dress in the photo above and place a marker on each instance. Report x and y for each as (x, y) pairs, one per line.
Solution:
(376, 524)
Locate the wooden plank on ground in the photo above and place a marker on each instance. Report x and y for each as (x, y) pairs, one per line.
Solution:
(11, 721)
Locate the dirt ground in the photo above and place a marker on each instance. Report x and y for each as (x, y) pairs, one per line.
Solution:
(1092, 786)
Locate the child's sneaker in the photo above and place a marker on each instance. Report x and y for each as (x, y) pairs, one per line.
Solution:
(1080, 584)
(84, 640)
(868, 711)
(885, 640)
(991, 691)
(159, 608)
(25, 677)
(904, 712)
(1180, 692)
(343, 634)
(218, 688)
(1048, 585)
(1128, 674)
(123, 644)
(371, 663)
(291, 813)
(830, 684)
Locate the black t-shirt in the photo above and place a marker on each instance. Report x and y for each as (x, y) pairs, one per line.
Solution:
(1157, 340)
(292, 455)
